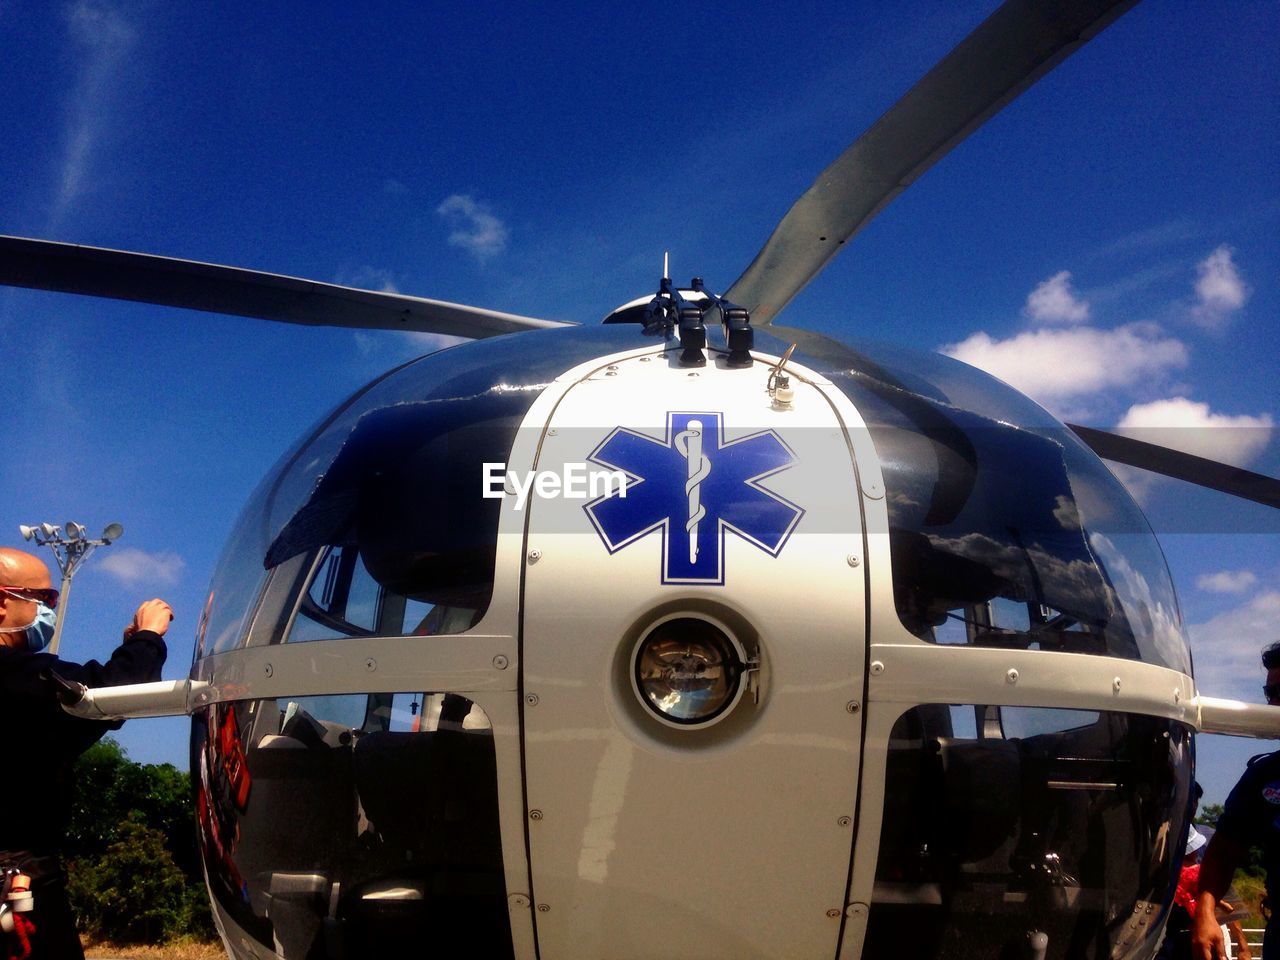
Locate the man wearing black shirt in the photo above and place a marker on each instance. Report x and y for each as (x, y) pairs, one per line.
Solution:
(1250, 818)
(42, 741)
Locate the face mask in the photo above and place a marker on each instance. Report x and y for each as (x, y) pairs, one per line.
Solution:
(40, 631)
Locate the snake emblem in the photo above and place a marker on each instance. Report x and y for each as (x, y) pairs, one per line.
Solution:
(689, 443)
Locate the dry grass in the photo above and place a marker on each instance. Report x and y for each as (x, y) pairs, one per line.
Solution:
(1251, 890)
(182, 950)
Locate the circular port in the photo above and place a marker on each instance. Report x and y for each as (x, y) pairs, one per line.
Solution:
(687, 670)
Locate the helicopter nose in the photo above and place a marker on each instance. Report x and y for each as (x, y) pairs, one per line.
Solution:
(684, 671)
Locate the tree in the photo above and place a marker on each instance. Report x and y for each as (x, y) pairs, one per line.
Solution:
(109, 786)
(129, 818)
(134, 893)
(1209, 814)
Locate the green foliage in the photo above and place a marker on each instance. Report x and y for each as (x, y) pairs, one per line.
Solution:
(109, 786)
(1209, 814)
(134, 893)
(1251, 890)
(132, 860)
(1253, 866)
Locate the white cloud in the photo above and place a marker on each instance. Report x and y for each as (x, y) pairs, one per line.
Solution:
(134, 567)
(1058, 365)
(1152, 238)
(1227, 581)
(104, 38)
(369, 278)
(1227, 648)
(1192, 428)
(1220, 289)
(1055, 302)
(475, 228)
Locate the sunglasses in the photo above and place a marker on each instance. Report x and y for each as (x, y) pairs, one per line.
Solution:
(1271, 691)
(47, 596)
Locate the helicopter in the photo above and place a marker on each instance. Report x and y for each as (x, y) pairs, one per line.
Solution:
(905, 599)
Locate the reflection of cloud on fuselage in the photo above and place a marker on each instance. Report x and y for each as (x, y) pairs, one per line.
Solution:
(1159, 616)
(1066, 513)
(1104, 591)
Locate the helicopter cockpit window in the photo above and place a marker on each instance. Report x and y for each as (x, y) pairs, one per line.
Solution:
(237, 584)
(1004, 529)
(1022, 823)
(343, 600)
(353, 825)
(391, 480)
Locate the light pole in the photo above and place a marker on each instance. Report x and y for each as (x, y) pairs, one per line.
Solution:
(71, 546)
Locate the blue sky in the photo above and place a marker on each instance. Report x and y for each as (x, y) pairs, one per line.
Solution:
(1109, 243)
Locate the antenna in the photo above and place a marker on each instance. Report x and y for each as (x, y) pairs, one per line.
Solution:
(666, 272)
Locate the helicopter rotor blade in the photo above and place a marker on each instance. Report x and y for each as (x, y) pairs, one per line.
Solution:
(1181, 466)
(143, 277)
(1008, 52)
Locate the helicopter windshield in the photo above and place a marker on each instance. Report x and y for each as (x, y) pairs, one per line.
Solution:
(376, 516)
(352, 825)
(1008, 820)
(1005, 530)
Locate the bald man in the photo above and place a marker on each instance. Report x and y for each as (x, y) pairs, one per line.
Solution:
(42, 741)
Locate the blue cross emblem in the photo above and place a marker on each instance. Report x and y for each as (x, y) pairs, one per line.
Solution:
(693, 487)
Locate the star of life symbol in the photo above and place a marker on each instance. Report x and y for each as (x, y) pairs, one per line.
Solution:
(694, 488)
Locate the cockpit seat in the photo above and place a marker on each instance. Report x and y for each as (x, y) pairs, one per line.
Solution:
(431, 798)
(982, 793)
(435, 863)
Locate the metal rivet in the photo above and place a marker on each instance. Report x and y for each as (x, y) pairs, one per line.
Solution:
(535, 814)
(693, 374)
(519, 900)
(853, 560)
(645, 359)
(1115, 684)
(833, 914)
(535, 555)
(877, 668)
(268, 670)
(500, 662)
(853, 706)
(856, 910)
(611, 373)
(552, 432)
(531, 699)
(371, 664)
(1012, 676)
(845, 821)
(1177, 696)
(544, 908)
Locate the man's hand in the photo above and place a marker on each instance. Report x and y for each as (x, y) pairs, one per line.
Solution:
(1206, 934)
(154, 615)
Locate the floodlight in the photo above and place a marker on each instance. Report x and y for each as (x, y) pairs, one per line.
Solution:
(49, 530)
(27, 532)
(75, 531)
(688, 670)
(114, 531)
